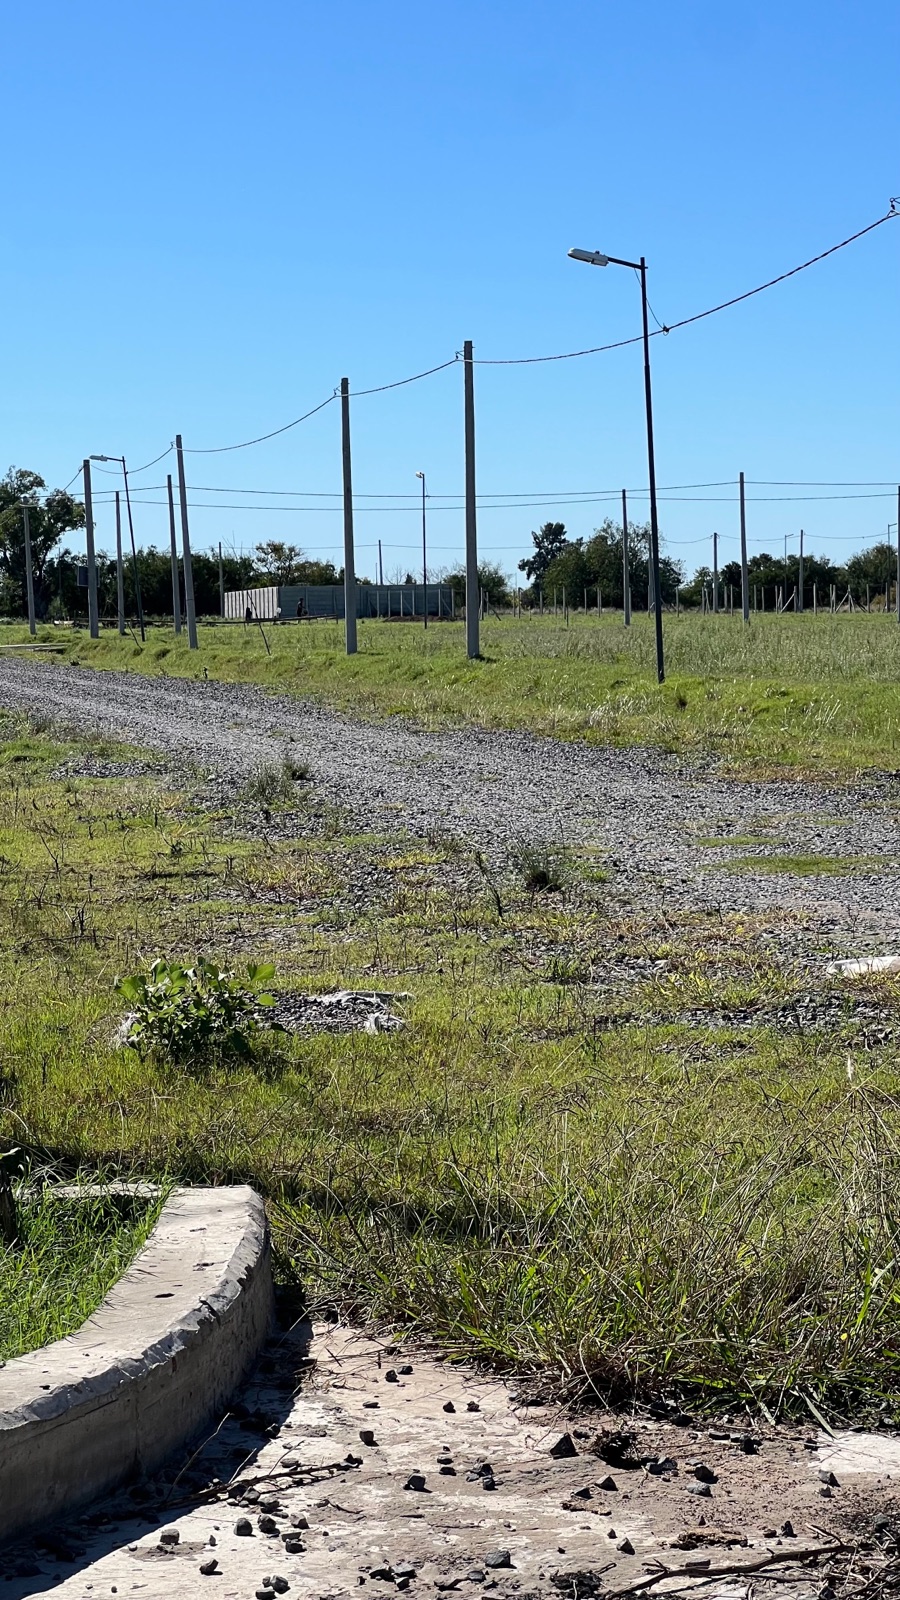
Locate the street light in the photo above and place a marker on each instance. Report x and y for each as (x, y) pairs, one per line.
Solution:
(595, 258)
(424, 556)
(137, 580)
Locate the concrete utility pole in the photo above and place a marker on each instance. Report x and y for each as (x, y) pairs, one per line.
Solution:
(899, 552)
(93, 608)
(176, 586)
(424, 556)
(29, 570)
(626, 567)
(715, 572)
(473, 644)
(221, 583)
(799, 603)
(189, 607)
(349, 560)
(120, 570)
(380, 567)
(745, 572)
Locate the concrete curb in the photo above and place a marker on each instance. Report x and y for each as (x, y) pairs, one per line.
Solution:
(159, 1359)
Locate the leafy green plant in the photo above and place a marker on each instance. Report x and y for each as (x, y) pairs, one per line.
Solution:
(189, 1014)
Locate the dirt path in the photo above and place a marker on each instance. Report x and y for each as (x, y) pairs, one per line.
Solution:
(345, 1510)
(654, 818)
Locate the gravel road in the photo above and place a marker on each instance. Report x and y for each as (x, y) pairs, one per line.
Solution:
(646, 812)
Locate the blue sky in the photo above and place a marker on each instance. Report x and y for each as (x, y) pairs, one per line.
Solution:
(216, 211)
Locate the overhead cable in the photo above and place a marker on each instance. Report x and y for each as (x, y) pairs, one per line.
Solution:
(570, 355)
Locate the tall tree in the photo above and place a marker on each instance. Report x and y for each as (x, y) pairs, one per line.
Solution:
(549, 543)
(280, 561)
(50, 516)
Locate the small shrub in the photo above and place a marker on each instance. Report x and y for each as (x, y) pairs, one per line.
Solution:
(273, 781)
(190, 1014)
(542, 868)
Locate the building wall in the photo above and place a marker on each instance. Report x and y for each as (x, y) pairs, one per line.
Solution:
(293, 600)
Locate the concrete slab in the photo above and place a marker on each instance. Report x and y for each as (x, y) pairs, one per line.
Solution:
(335, 1427)
(163, 1354)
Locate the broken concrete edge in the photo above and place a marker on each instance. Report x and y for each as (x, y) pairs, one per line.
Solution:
(861, 966)
(143, 1376)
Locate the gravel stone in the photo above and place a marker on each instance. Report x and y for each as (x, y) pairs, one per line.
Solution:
(498, 1558)
(495, 789)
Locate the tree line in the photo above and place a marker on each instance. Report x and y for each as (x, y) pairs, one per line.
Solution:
(557, 563)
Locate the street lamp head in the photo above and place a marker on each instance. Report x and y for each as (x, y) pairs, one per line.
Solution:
(104, 458)
(421, 475)
(592, 257)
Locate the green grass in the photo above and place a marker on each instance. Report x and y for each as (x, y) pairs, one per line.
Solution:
(815, 866)
(549, 1168)
(810, 693)
(66, 1256)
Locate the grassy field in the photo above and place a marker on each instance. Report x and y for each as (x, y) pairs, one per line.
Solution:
(66, 1255)
(567, 1162)
(804, 692)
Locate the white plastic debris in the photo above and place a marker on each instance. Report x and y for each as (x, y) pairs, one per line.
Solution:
(863, 965)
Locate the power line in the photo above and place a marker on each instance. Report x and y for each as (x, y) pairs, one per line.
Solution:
(571, 355)
(401, 382)
(147, 464)
(533, 496)
(610, 498)
(222, 449)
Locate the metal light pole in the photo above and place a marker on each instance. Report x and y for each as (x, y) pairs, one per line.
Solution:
(424, 556)
(134, 563)
(594, 258)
